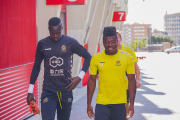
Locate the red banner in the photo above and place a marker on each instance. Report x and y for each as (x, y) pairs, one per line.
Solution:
(86, 76)
(98, 48)
(65, 2)
(63, 8)
(119, 16)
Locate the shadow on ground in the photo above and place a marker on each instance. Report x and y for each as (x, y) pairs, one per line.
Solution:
(79, 108)
(147, 106)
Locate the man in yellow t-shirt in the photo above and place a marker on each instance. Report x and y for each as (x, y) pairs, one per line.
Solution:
(137, 70)
(112, 65)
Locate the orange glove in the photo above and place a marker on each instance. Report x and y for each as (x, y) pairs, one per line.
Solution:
(34, 108)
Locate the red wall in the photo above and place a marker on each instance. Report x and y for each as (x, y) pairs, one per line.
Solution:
(14, 85)
(18, 42)
(17, 32)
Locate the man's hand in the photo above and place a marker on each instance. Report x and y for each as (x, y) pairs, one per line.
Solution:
(74, 82)
(90, 111)
(138, 84)
(130, 112)
(30, 97)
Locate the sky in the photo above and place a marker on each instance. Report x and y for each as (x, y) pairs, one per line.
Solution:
(151, 11)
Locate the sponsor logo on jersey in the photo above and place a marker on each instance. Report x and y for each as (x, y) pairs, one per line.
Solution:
(47, 48)
(45, 100)
(63, 48)
(118, 63)
(101, 63)
(54, 61)
(57, 72)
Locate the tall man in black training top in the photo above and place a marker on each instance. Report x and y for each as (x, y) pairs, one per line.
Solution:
(57, 51)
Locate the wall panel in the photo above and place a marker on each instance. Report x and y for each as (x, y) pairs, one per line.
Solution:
(14, 85)
(17, 32)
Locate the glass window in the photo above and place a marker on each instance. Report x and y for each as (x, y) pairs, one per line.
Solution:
(138, 26)
(139, 34)
(138, 30)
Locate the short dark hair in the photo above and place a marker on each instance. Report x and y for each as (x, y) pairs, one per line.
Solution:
(54, 21)
(109, 31)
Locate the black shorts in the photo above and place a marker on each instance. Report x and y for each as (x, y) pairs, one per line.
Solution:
(110, 112)
(128, 99)
(52, 101)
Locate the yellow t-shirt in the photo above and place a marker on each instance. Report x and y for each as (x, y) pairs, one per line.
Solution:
(112, 69)
(130, 51)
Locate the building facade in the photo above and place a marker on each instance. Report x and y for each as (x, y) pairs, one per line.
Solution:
(135, 31)
(172, 26)
(156, 32)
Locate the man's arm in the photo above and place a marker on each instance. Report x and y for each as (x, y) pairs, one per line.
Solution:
(132, 93)
(34, 73)
(90, 91)
(77, 79)
(137, 73)
(82, 52)
(137, 70)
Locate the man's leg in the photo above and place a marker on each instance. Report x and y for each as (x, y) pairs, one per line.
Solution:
(102, 112)
(127, 104)
(48, 105)
(64, 105)
(118, 112)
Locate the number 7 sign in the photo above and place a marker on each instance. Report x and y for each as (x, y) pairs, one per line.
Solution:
(119, 16)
